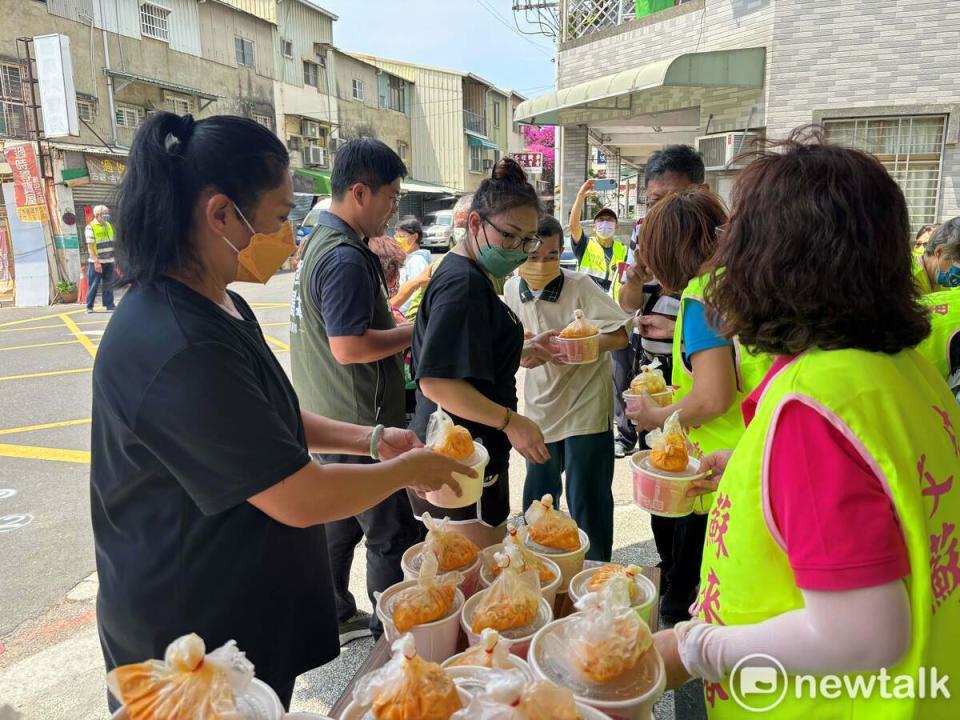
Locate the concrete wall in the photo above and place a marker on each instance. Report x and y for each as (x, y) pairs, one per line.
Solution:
(303, 27)
(500, 134)
(860, 57)
(436, 124)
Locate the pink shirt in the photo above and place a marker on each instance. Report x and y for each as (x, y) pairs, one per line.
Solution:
(838, 524)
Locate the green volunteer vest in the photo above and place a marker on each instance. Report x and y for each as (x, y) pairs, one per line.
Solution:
(724, 432)
(594, 263)
(944, 327)
(920, 276)
(902, 420)
(350, 393)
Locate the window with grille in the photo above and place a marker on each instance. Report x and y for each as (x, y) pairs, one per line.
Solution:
(85, 111)
(476, 159)
(320, 52)
(398, 94)
(910, 148)
(128, 117)
(155, 22)
(263, 120)
(311, 74)
(244, 49)
(13, 110)
(178, 104)
(402, 151)
(358, 89)
(287, 47)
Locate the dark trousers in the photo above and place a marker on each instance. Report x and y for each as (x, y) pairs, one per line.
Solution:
(587, 461)
(679, 542)
(95, 279)
(623, 372)
(389, 528)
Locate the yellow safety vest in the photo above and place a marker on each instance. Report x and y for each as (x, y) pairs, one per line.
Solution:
(944, 327)
(901, 419)
(724, 432)
(595, 264)
(920, 276)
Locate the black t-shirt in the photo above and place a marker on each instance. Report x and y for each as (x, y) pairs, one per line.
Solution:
(192, 415)
(464, 331)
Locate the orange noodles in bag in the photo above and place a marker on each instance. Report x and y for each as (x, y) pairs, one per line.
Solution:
(602, 577)
(492, 652)
(453, 550)
(408, 687)
(513, 599)
(508, 696)
(448, 439)
(607, 637)
(550, 527)
(650, 380)
(185, 684)
(430, 599)
(579, 328)
(516, 536)
(668, 447)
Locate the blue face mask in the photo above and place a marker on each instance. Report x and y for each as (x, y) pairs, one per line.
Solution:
(949, 278)
(107, 218)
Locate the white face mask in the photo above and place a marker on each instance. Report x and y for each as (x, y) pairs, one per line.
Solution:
(605, 228)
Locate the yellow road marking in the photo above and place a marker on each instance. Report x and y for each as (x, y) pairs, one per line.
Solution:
(44, 453)
(40, 317)
(44, 426)
(38, 327)
(269, 305)
(275, 324)
(93, 322)
(52, 373)
(38, 345)
(78, 334)
(280, 344)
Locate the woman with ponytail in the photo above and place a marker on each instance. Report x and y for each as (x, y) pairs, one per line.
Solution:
(467, 345)
(207, 507)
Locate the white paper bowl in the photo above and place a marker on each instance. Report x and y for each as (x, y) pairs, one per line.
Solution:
(634, 708)
(356, 712)
(260, 702)
(456, 671)
(437, 640)
(663, 493)
(549, 590)
(470, 574)
(645, 606)
(570, 563)
(471, 488)
(521, 643)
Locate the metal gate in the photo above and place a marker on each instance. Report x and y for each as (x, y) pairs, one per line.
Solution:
(91, 195)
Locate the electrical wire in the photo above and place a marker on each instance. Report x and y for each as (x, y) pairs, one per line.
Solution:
(500, 19)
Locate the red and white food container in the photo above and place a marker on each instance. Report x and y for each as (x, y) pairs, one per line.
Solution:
(580, 351)
(519, 637)
(660, 492)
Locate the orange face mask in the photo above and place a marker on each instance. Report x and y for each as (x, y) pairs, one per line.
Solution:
(265, 253)
(539, 274)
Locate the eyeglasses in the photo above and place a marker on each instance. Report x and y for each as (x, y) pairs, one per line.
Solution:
(528, 244)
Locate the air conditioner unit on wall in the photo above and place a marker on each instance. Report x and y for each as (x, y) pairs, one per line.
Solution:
(333, 144)
(719, 151)
(310, 128)
(313, 155)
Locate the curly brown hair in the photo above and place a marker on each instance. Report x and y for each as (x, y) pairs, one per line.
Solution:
(817, 253)
(679, 235)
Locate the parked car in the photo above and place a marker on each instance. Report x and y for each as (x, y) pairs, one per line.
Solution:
(310, 221)
(568, 260)
(438, 230)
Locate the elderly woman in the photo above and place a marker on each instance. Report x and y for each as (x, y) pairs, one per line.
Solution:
(208, 510)
(939, 266)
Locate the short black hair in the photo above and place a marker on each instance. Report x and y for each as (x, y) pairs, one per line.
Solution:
(411, 226)
(606, 212)
(365, 160)
(677, 159)
(172, 161)
(550, 226)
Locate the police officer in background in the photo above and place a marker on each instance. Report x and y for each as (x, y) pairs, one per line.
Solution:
(99, 237)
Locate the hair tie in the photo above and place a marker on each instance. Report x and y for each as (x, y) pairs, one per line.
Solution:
(175, 142)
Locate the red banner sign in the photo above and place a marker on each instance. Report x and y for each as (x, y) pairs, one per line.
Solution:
(27, 183)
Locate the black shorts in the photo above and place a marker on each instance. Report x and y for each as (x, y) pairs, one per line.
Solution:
(492, 509)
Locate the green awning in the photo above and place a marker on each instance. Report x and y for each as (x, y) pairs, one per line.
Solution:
(311, 181)
(475, 141)
(622, 92)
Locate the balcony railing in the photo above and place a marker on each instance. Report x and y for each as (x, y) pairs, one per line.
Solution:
(582, 17)
(474, 122)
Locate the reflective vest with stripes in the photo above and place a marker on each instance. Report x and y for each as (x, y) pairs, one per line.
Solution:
(595, 264)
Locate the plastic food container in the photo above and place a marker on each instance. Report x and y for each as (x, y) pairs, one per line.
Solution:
(437, 640)
(663, 493)
(520, 637)
(580, 351)
(259, 702)
(631, 696)
(458, 672)
(305, 716)
(646, 604)
(569, 562)
(471, 488)
(356, 712)
(487, 577)
(634, 402)
(470, 573)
